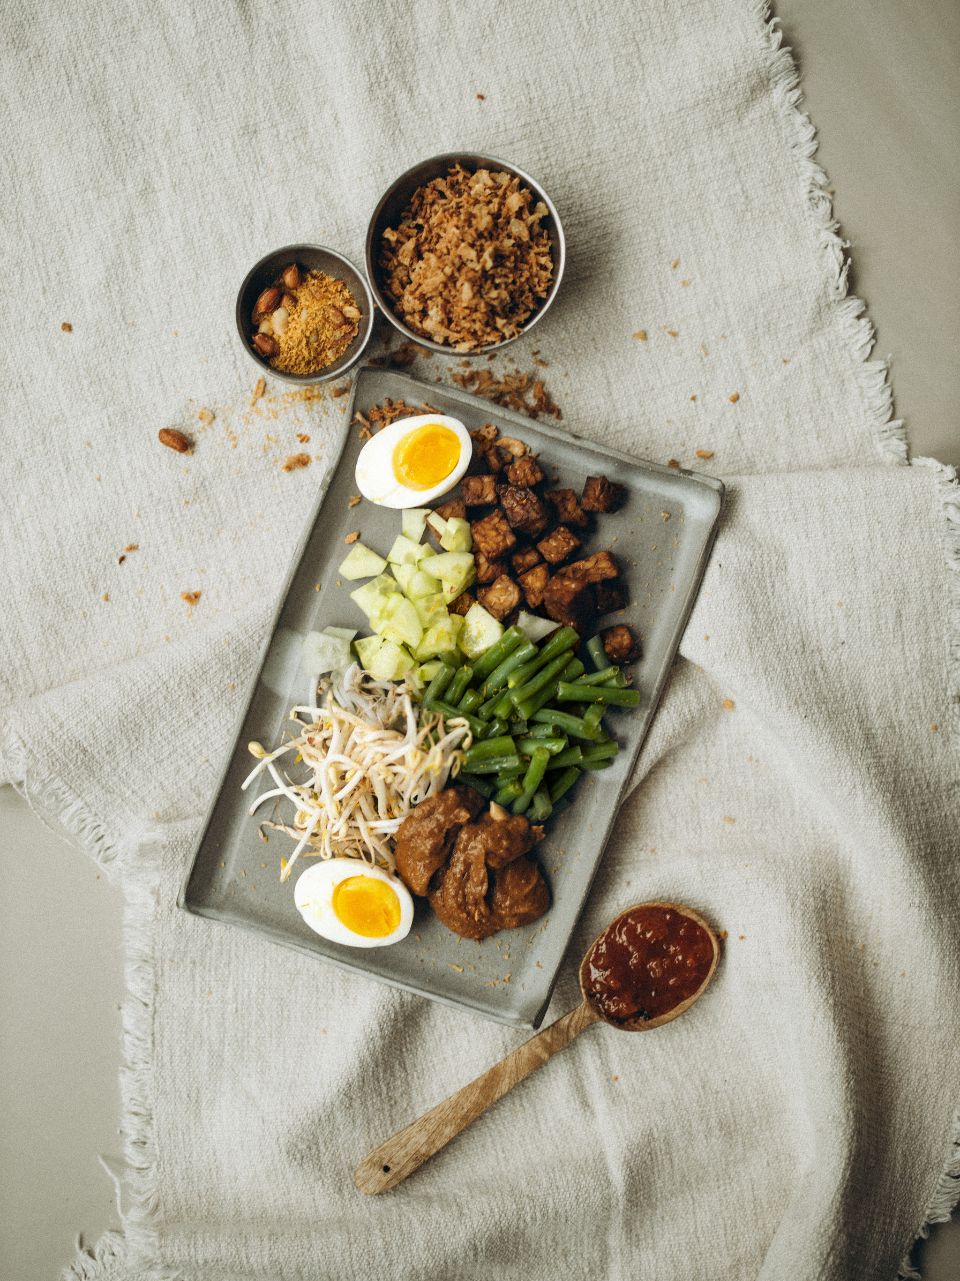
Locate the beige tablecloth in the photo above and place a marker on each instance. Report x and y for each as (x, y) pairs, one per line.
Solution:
(799, 1126)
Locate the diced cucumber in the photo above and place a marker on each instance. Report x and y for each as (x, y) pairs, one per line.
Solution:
(361, 562)
(456, 537)
(347, 633)
(370, 596)
(324, 653)
(405, 551)
(420, 585)
(439, 638)
(430, 609)
(398, 621)
(454, 569)
(403, 575)
(437, 523)
(480, 631)
(367, 648)
(390, 662)
(412, 522)
(427, 671)
(534, 627)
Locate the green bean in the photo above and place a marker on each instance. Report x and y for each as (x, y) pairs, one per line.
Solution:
(497, 728)
(494, 765)
(532, 779)
(536, 664)
(521, 674)
(564, 783)
(516, 658)
(569, 756)
(572, 693)
(458, 686)
(537, 683)
(562, 640)
(508, 792)
(485, 710)
(572, 725)
(570, 672)
(597, 653)
(438, 685)
(540, 807)
(450, 712)
(481, 785)
(600, 751)
(596, 764)
(504, 704)
(594, 715)
(518, 726)
(452, 658)
(501, 746)
(527, 746)
(606, 676)
(497, 652)
(541, 731)
(470, 701)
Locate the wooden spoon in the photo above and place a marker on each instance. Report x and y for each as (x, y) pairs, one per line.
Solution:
(408, 1149)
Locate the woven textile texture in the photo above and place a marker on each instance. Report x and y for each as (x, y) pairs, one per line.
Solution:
(800, 784)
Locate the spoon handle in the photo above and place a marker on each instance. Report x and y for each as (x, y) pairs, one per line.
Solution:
(403, 1153)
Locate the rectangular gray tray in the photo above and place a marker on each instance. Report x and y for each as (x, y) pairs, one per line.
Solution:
(508, 977)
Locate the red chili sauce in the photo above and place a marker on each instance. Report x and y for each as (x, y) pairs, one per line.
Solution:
(645, 963)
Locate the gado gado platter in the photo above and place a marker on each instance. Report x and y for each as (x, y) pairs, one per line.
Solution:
(468, 656)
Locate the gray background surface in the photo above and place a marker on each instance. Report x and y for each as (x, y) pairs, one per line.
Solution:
(882, 83)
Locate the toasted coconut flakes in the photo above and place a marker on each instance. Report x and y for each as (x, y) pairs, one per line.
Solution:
(704, 453)
(733, 397)
(640, 335)
(191, 598)
(353, 536)
(353, 500)
(259, 388)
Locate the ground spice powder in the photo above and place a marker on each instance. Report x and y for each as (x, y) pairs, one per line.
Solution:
(320, 328)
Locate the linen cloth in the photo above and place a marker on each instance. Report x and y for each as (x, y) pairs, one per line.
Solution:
(798, 1123)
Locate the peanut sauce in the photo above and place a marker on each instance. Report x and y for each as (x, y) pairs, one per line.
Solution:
(646, 963)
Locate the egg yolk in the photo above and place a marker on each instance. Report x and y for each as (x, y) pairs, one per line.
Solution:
(426, 456)
(366, 906)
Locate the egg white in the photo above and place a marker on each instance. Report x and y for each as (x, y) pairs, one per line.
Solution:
(375, 478)
(313, 896)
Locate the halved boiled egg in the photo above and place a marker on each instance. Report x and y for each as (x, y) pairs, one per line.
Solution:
(350, 902)
(414, 460)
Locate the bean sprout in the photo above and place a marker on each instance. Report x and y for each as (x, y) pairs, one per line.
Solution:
(370, 757)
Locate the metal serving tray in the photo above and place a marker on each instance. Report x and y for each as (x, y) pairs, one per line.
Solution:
(663, 563)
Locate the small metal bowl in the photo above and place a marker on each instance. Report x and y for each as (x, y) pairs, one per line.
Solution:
(396, 198)
(312, 258)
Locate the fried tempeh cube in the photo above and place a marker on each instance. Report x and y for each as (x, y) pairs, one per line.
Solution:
(524, 509)
(453, 507)
(558, 545)
(567, 597)
(487, 570)
(533, 583)
(501, 597)
(596, 568)
(602, 495)
(479, 491)
(610, 596)
(620, 645)
(524, 560)
(461, 604)
(567, 506)
(493, 536)
(525, 471)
